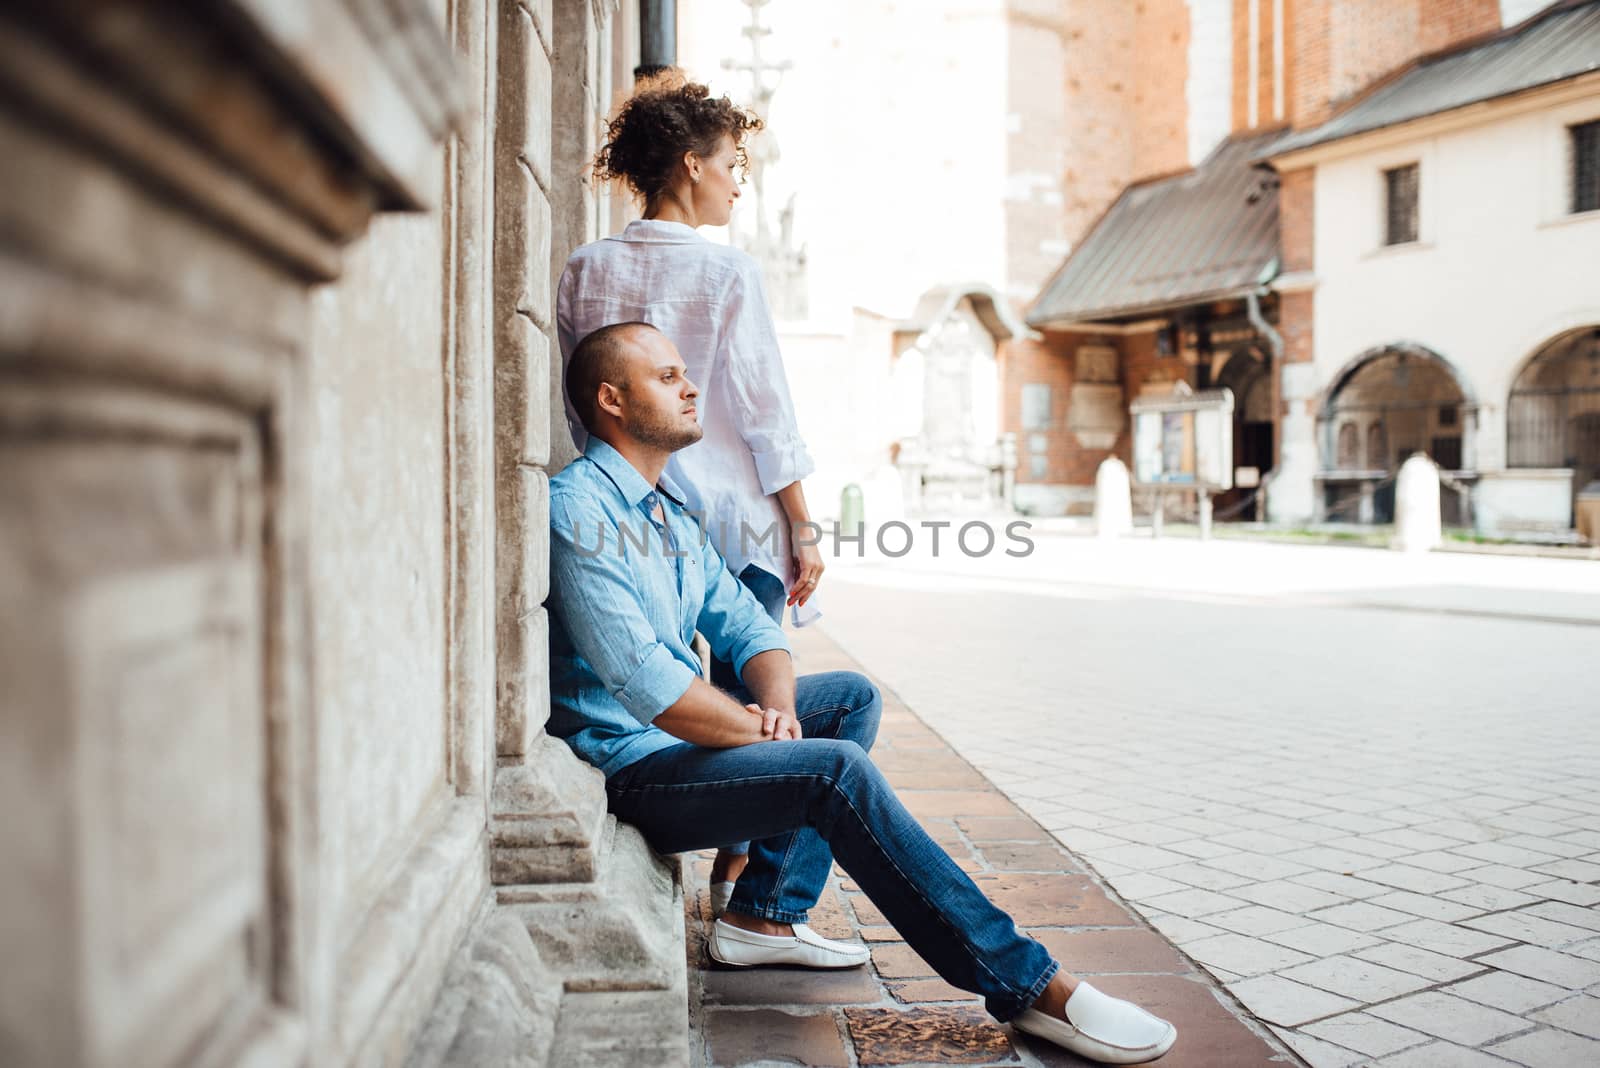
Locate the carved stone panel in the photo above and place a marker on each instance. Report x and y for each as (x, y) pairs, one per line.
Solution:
(1096, 414)
(134, 634)
(1095, 363)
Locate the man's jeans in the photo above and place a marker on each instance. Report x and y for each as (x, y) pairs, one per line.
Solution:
(806, 802)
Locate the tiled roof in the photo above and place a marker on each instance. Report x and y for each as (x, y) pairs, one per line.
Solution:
(1559, 43)
(1208, 233)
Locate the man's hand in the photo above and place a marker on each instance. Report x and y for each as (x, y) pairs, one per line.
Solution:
(776, 724)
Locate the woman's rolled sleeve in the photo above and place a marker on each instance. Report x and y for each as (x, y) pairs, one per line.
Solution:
(762, 406)
(783, 463)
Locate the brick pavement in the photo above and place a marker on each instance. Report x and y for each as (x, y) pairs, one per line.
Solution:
(895, 1011)
(1380, 829)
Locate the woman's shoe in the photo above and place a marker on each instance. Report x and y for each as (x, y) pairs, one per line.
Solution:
(1102, 1028)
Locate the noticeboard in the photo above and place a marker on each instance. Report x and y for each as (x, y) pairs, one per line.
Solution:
(1184, 439)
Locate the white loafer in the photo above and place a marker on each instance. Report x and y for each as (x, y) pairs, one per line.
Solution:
(721, 893)
(1102, 1028)
(805, 948)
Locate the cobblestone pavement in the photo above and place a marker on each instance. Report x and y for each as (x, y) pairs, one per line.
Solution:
(894, 1011)
(1363, 790)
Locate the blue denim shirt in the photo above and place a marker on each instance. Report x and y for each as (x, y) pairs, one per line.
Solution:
(627, 594)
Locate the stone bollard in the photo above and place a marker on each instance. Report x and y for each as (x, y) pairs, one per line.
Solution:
(852, 511)
(1418, 526)
(1113, 499)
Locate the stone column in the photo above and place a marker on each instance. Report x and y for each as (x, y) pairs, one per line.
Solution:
(604, 913)
(1291, 497)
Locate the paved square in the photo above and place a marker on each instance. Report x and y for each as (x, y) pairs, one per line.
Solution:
(1361, 789)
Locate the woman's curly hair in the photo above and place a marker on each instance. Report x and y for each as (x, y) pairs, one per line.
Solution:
(669, 116)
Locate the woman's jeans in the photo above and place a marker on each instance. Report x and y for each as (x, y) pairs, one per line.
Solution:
(768, 589)
(807, 802)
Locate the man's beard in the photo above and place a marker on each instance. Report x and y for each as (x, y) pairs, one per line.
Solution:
(661, 433)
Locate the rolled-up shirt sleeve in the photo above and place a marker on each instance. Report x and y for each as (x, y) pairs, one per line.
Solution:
(593, 592)
(732, 620)
(762, 406)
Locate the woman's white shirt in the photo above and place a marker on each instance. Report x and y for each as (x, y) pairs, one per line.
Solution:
(708, 299)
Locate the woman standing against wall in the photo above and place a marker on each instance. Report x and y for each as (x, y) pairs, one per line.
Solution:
(681, 152)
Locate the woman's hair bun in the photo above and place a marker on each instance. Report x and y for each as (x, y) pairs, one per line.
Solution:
(666, 116)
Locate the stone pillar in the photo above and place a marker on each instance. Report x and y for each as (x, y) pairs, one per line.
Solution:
(1417, 517)
(601, 910)
(549, 808)
(1113, 499)
(1291, 496)
(1291, 499)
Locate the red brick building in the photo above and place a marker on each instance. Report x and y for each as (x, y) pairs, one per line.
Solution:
(1193, 274)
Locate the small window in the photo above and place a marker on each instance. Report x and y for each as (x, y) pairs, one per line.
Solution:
(1585, 166)
(1400, 205)
(1035, 406)
(1346, 456)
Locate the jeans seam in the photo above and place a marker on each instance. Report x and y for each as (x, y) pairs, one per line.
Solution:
(676, 786)
(777, 882)
(1034, 992)
(831, 708)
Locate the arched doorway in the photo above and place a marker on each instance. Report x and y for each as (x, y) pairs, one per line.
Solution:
(1245, 372)
(1553, 413)
(945, 388)
(1389, 403)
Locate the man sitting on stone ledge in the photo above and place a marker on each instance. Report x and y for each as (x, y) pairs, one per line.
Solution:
(782, 761)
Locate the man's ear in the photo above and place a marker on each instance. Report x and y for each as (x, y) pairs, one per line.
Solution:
(609, 400)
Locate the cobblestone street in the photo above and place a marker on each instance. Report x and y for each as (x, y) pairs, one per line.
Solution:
(1361, 789)
(896, 1013)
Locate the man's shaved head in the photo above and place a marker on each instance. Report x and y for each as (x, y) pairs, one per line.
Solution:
(600, 357)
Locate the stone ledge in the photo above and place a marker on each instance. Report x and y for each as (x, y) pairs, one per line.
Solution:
(576, 975)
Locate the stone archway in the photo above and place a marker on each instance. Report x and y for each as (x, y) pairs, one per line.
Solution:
(1553, 411)
(1247, 372)
(945, 389)
(1385, 405)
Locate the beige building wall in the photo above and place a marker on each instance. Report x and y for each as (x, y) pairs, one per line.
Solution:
(1492, 193)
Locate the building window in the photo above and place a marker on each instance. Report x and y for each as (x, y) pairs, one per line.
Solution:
(1400, 205)
(1346, 456)
(1585, 166)
(1035, 406)
(1377, 447)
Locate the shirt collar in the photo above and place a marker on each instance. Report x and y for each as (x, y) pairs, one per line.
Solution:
(659, 232)
(629, 482)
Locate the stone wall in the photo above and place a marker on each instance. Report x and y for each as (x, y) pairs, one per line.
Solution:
(273, 550)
